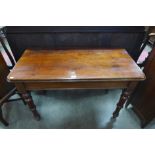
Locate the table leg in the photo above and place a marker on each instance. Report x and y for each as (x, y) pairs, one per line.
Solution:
(22, 99)
(28, 99)
(26, 96)
(124, 97)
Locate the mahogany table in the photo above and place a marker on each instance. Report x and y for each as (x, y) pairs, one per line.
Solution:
(75, 69)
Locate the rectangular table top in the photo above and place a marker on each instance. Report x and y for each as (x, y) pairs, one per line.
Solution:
(76, 64)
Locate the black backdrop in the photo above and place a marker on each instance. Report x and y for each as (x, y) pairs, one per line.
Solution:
(64, 37)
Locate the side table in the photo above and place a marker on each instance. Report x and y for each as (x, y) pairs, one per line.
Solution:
(75, 69)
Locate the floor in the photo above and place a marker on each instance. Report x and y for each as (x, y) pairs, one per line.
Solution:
(71, 109)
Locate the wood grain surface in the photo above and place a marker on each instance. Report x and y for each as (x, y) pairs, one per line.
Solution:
(80, 65)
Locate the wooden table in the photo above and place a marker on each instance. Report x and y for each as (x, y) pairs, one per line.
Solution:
(75, 69)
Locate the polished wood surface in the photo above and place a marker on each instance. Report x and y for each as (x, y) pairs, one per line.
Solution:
(61, 65)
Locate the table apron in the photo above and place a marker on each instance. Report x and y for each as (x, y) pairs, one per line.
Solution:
(74, 85)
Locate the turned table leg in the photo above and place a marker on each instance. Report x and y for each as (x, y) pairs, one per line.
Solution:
(28, 99)
(124, 97)
(26, 96)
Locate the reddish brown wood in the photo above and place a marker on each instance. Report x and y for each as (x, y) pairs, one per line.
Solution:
(96, 68)
(61, 65)
(75, 85)
(28, 99)
(124, 97)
